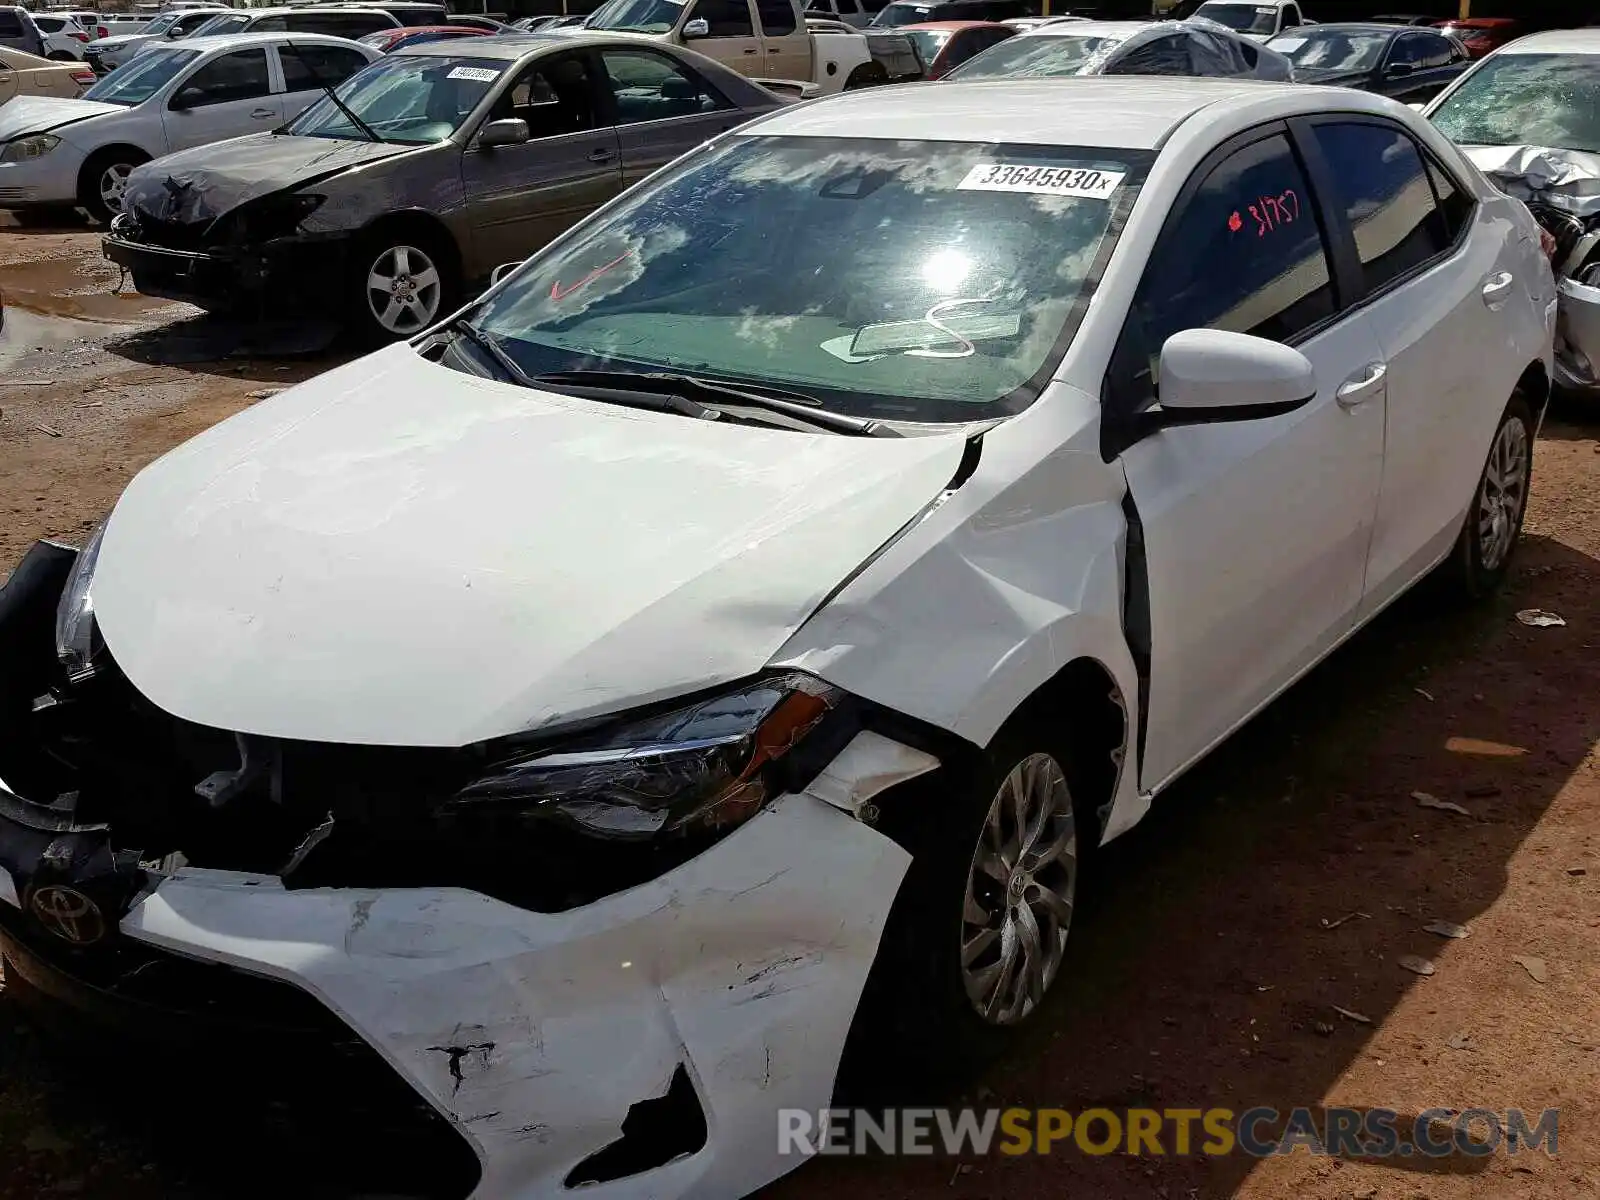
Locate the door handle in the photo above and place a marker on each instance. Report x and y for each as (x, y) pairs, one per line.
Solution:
(601, 154)
(750, 50)
(1360, 388)
(1498, 288)
(261, 113)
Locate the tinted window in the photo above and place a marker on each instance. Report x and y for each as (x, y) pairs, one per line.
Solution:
(553, 96)
(241, 75)
(306, 67)
(1381, 186)
(727, 18)
(1436, 50)
(10, 24)
(777, 16)
(1410, 48)
(651, 87)
(1246, 254)
(350, 25)
(1164, 56)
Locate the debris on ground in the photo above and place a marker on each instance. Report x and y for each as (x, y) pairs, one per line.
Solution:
(263, 393)
(1540, 619)
(1534, 967)
(1459, 1041)
(1447, 929)
(1426, 695)
(1327, 924)
(1351, 1015)
(1577, 870)
(50, 429)
(1483, 749)
(1428, 800)
(1415, 964)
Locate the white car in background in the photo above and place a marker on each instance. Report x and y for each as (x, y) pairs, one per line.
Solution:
(107, 54)
(874, 592)
(57, 153)
(1079, 47)
(64, 37)
(1259, 20)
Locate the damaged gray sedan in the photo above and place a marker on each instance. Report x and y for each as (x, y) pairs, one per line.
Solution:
(417, 177)
(1528, 116)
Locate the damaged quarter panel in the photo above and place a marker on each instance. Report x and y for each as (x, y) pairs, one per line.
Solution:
(736, 976)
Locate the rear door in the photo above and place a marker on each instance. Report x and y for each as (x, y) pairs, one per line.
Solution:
(1255, 532)
(785, 43)
(226, 96)
(308, 69)
(522, 196)
(661, 108)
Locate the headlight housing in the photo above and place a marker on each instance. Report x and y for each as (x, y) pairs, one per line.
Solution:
(34, 145)
(76, 634)
(703, 767)
(268, 218)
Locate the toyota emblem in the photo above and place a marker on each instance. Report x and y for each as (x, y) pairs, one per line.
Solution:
(69, 914)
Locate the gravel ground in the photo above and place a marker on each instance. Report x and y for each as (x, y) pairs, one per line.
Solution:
(1207, 969)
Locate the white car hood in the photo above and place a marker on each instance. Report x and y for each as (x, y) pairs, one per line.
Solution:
(40, 114)
(400, 554)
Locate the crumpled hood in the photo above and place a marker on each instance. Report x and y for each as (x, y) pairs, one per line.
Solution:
(40, 114)
(1565, 179)
(397, 553)
(205, 182)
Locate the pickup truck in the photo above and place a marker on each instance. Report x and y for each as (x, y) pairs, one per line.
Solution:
(115, 25)
(761, 39)
(1258, 20)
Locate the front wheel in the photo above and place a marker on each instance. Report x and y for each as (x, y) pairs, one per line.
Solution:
(1489, 536)
(103, 180)
(401, 283)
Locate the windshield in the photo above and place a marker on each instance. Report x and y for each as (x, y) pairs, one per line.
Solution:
(901, 14)
(1331, 50)
(637, 16)
(1245, 18)
(915, 281)
(1526, 100)
(140, 78)
(225, 23)
(1038, 55)
(161, 24)
(928, 42)
(404, 98)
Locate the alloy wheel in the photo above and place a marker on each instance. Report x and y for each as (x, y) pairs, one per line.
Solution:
(113, 183)
(1503, 495)
(404, 290)
(1020, 892)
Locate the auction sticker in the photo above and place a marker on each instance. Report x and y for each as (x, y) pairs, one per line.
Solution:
(1050, 181)
(477, 74)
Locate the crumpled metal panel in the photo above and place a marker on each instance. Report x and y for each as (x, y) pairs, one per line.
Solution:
(1565, 179)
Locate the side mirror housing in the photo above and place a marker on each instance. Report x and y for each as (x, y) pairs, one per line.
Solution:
(697, 28)
(1212, 375)
(503, 270)
(183, 99)
(512, 131)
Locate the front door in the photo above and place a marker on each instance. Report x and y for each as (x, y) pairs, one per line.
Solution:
(522, 196)
(661, 108)
(1255, 533)
(8, 80)
(730, 35)
(785, 44)
(224, 97)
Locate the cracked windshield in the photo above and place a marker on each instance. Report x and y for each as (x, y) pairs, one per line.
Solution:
(918, 281)
(1527, 100)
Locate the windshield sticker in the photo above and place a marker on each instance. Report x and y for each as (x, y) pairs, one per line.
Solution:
(1270, 212)
(477, 74)
(1288, 45)
(918, 337)
(1051, 181)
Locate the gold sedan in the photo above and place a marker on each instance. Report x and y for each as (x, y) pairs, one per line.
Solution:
(29, 75)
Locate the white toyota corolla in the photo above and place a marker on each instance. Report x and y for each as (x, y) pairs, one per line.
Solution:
(738, 624)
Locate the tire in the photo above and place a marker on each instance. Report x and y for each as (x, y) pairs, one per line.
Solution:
(1488, 539)
(866, 75)
(939, 1003)
(61, 56)
(102, 179)
(423, 283)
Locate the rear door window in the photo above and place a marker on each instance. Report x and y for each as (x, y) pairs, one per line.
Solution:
(726, 18)
(646, 86)
(777, 17)
(10, 24)
(308, 67)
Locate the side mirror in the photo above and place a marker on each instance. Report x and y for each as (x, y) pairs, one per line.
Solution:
(512, 131)
(503, 270)
(174, 32)
(1212, 375)
(697, 28)
(183, 99)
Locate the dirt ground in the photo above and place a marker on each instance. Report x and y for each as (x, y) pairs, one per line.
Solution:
(1207, 968)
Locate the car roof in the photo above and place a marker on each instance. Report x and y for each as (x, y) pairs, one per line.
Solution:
(950, 26)
(236, 41)
(408, 30)
(1556, 41)
(1106, 29)
(514, 44)
(1124, 112)
(1354, 27)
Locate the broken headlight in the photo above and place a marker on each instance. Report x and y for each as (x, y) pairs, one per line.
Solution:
(268, 218)
(75, 628)
(706, 766)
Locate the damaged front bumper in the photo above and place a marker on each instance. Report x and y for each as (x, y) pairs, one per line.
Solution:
(304, 270)
(638, 1044)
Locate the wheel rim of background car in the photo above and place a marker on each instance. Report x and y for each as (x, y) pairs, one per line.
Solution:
(1505, 487)
(1020, 891)
(403, 289)
(113, 182)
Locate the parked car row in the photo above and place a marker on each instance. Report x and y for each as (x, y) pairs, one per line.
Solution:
(704, 663)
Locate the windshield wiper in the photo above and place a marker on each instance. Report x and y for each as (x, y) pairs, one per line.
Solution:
(803, 409)
(371, 133)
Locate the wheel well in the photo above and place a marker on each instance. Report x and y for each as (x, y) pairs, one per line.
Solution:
(1535, 381)
(871, 72)
(1083, 706)
(419, 224)
(105, 152)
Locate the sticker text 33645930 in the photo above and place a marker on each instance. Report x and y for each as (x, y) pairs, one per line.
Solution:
(1050, 181)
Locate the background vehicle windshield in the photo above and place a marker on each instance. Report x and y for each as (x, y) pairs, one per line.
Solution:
(1245, 18)
(162, 23)
(1331, 49)
(901, 14)
(928, 42)
(637, 16)
(916, 281)
(404, 98)
(1527, 100)
(1038, 56)
(223, 23)
(140, 78)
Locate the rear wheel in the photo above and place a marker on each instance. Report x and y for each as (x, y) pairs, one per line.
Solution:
(104, 178)
(1489, 536)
